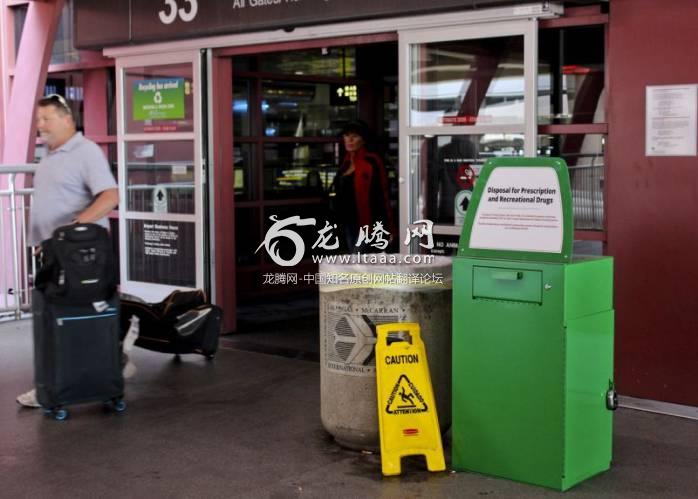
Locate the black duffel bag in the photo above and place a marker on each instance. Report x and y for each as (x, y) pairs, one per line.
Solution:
(77, 265)
(184, 322)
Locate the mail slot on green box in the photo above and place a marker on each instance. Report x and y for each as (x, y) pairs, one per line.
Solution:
(532, 333)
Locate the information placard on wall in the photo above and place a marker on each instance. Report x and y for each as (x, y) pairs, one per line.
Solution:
(520, 210)
(670, 120)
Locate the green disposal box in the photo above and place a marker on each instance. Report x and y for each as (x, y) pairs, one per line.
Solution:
(532, 333)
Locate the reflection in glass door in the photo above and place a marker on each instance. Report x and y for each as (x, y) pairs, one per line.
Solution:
(286, 119)
(160, 172)
(468, 94)
(288, 112)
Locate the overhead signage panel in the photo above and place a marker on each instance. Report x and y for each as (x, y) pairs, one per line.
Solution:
(100, 24)
(152, 20)
(161, 20)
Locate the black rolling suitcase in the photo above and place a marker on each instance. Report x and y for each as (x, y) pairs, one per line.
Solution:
(77, 355)
(182, 323)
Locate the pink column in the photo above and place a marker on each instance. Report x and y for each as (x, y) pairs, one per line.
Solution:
(31, 66)
(29, 79)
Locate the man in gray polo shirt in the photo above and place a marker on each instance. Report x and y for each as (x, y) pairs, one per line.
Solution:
(72, 184)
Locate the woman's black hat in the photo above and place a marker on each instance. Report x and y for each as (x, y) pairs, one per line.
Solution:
(359, 128)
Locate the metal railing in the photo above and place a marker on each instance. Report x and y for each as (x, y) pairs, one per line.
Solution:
(587, 196)
(17, 261)
(178, 197)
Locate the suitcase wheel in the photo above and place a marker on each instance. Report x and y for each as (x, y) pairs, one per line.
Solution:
(116, 405)
(58, 414)
(119, 405)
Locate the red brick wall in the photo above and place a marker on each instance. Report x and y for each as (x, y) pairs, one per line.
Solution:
(652, 206)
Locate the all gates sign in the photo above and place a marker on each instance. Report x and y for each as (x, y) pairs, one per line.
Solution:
(119, 22)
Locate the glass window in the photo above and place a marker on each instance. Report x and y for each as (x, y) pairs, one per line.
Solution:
(332, 61)
(390, 122)
(241, 109)
(19, 14)
(63, 50)
(244, 64)
(468, 82)
(114, 233)
(160, 176)
(111, 101)
(584, 155)
(293, 170)
(159, 99)
(113, 160)
(244, 172)
(162, 252)
(571, 75)
(40, 152)
(448, 167)
(294, 109)
(247, 222)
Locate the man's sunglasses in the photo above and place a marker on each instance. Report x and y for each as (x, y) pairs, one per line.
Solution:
(56, 100)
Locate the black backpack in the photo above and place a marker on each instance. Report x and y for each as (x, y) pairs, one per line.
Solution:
(78, 265)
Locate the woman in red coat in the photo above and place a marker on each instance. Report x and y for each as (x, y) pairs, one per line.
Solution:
(362, 196)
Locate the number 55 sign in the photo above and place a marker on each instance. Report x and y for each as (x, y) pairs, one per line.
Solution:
(169, 14)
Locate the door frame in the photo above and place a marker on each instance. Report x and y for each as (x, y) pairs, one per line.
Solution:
(153, 292)
(409, 182)
(221, 143)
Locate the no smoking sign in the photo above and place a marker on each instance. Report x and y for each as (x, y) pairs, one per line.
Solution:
(465, 176)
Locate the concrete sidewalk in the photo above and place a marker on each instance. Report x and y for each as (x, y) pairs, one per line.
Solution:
(248, 425)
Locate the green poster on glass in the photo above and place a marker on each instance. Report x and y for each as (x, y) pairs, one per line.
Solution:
(161, 99)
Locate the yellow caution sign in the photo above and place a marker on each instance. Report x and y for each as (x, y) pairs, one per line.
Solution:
(407, 415)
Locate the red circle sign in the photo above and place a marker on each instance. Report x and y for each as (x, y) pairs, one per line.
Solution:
(465, 176)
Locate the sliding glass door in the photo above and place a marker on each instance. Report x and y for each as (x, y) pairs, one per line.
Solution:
(466, 94)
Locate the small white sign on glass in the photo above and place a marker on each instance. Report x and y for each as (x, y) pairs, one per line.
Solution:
(159, 199)
(670, 120)
(460, 206)
(520, 210)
